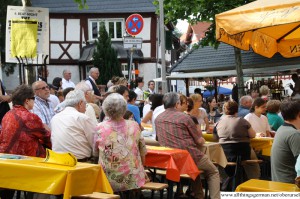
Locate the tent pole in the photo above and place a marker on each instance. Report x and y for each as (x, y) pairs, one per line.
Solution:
(239, 71)
(187, 87)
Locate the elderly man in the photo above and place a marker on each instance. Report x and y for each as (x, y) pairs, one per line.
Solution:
(66, 80)
(72, 130)
(42, 106)
(91, 81)
(177, 130)
(89, 97)
(245, 105)
(286, 147)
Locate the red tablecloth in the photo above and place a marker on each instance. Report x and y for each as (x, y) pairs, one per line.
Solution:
(175, 161)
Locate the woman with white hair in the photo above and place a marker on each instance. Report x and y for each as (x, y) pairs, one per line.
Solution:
(121, 147)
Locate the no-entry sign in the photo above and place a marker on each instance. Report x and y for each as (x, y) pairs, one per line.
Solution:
(134, 24)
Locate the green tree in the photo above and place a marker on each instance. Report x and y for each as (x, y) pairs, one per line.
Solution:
(81, 4)
(199, 10)
(105, 58)
(205, 10)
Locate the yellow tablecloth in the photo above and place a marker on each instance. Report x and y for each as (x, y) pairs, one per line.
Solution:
(208, 137)
(31, 174)
(266, 186)
(215, 153)
(264, 144)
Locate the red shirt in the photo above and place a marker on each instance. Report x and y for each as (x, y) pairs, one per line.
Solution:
(23, 133)
(177, 130)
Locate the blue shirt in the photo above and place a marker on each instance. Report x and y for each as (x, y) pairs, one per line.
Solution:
(243, 111)
(43, 109)
(136, 112)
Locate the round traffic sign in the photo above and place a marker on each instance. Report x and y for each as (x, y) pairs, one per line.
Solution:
(134, 24)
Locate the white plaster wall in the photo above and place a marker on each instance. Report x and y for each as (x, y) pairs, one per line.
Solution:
(145, 33)
(57, 70)
(146, 49)
(55, 50)
(12, 81)
(147, 71)
(57, 30)
(167, 55)
(74, 51)
(73, 30)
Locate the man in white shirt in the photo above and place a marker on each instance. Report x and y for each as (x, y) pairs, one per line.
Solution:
(66, 80)
(72, 130)
(89, 97)
(140, 94)
(156, 112)
(91, 81)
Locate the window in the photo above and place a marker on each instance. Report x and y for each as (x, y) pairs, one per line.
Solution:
(114, 27)
(124, 68)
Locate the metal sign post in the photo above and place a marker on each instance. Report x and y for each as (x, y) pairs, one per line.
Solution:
(132, 43)
(134, 25)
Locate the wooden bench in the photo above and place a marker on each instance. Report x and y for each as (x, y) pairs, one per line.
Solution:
(97, 195)
(155, 186)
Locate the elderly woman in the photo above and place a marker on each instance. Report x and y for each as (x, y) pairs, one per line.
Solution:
(234, 135)
(121, 147)
(264, 91)
(23, 132)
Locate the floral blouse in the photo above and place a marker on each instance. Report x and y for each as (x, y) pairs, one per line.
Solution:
(120, 146)
(23, 133)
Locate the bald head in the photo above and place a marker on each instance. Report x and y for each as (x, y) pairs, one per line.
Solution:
(246, 101)
(67, 74)
(41, 89)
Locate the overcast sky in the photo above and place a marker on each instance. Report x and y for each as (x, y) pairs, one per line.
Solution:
(182, 25)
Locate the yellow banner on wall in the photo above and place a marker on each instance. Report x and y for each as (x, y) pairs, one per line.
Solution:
(24, 38)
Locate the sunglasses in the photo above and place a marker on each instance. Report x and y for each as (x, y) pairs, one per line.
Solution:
(33, 98)
(43, 88)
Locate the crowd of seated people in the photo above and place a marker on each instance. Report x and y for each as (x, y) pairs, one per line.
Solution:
(111, 134)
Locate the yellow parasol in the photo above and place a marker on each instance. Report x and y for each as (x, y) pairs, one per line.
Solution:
(268, 26)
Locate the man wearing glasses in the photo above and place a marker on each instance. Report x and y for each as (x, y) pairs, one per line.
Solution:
(42, 107)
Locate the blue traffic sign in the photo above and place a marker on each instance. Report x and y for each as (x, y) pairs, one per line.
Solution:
(134, 24)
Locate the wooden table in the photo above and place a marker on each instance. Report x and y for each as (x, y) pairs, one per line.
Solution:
(33, 175)
(254, 185)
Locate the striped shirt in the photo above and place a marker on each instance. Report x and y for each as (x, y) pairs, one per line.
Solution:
(177, 130)
(43, 109)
